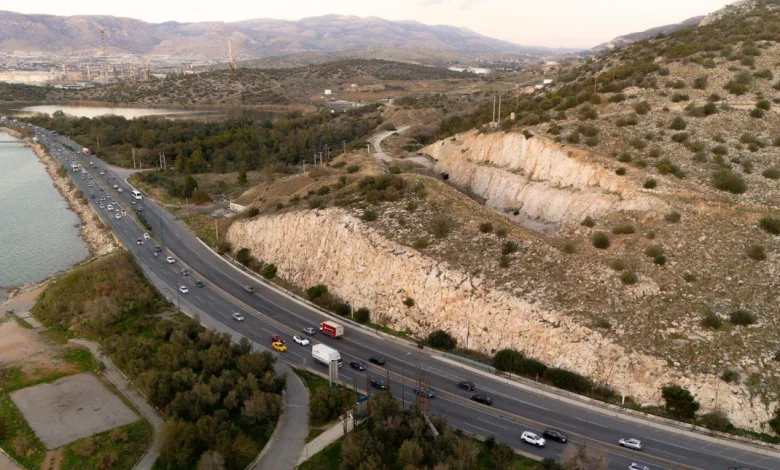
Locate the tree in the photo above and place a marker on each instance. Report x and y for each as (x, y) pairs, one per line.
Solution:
(261, 407)
(200, 196)
(410, 453)
(774, 423)
(325, 405)
(211, 460)
(242, 168)
(220, 164)
(362, 315)
(584, 458)
(179, 443)
(243, 256)
(502, 455)
(441, 339)
(679, 401)
(190, 184)
(507, 359)
(269, 271)
(256, 363)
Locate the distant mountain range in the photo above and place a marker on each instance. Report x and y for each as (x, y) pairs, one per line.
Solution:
(251, 39)
(650, 33)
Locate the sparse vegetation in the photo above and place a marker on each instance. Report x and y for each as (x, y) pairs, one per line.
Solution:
(600, 240)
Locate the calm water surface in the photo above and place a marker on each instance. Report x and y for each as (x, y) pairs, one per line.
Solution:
(37, 233)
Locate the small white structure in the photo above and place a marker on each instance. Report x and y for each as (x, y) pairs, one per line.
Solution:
(547, 81)
(328, 92)
(539, 86)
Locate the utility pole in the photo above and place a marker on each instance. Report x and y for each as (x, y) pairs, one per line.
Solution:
(345, 145)
(403, 381)
(494, 109)
(499, 110)
(98, 142)
(368, 148)
(133, 150)
(216, 230)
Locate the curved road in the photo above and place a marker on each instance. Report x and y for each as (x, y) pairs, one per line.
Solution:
(269, 311)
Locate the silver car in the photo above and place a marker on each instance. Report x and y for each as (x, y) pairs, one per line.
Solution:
(631, 443)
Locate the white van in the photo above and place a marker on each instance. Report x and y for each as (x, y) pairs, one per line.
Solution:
(137, 195)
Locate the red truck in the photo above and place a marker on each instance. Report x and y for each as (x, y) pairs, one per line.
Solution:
(332, 329)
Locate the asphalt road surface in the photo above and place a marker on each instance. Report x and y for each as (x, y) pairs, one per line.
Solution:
(268, 312)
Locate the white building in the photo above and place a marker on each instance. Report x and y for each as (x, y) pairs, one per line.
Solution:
(328, 92)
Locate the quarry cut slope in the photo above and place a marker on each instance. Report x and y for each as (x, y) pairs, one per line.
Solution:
(542, 179)
(359, 265)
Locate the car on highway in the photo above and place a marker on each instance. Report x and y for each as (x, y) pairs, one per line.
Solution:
(116, 186)
(139, 241)
(423, 392)
(238, 317)
(169, 259)
(637, 466)
(199, 283)
(118, 216)
(249, 289)
(380, 361)
(110, 207)
(120, 190)
(185, 272)
(146, 236)
(310, 331)
(140, 209)
(532, 439)
(279, 346)
(158, 249)
(466, 385)
(277, 339)
(183, 289)
(554, 435)
(484, 399)
(379, 383)
(631, 443)
(357, 365)
(300, 340)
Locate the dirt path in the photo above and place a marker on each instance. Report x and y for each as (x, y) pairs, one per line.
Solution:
(134, 395)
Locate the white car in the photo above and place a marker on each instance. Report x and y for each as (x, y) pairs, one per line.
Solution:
(183, 289)
(120, 190)
(532, 439)
(116, 186)
(301, 341)
(146, 235)
(631, 443)
(110, 207)
(170, 260)
(636, 466)
(238, 317)
(118, 216)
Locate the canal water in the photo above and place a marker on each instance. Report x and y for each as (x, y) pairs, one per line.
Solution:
(38, 233)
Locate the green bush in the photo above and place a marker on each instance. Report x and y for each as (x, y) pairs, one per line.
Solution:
(592, 141)
(772, 173)
(757, 113)
(712, 320)
(409, 302)
(624, 229)
(756, 252)
(650, 183)
(486, 227)
(715, 420)
(421, 243)
(629, 278)
(643, 107)
(764, 105)
(369, 215)
(362, 315)
(505, 360)
(269, 271)
(678, 124)
(501, 232)
(660, 260)
(726, 180)
(441, 226)
(774, 423)
(567, 380)
(509, 247)
(679, 402)
(720, 150)
(620, 171)
(590, 223)
(317, 291)
(600, 240)
(244, 256)
(770, 225)
(617, 264)
(672, 217)
(353, 169)
(742, 317)
(441, 339)
(654, 250)
(730, 376)
(587, 113)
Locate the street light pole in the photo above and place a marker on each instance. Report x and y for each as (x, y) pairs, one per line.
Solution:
(403, 381)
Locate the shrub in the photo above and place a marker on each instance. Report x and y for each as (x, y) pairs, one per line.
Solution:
(712, 320)
(617, 98)
(409, 302)
(700, 83)
(772, 173)
(353, 169)
(441, 226)
(660, 260)
(680, 137)
(650, 183)
(589, 222)
(665, 167)
(679, 401)
(637, 143)
(252, 212)
(654, 250)
(624, 229)
(421, 243)
(631, 120)
(501, 232)
(650, 235)
(600, 240)
(629, 277)
(756, 252)
(244, 256)
(567, 380)
(730, 376)
(617, 264)
(774, 423)
(269, 271)
(507, 360)
(770, 225)
(603, 323)
(654, 153)
(411, 206)
(726, 180)
(689, 277)
(224, 247)
(720, 150)
(643, 107)
(317, 291)
(509, 248)
(757, 113)
(678, 124)
(503, 261)
(742, 317)
(625, 157)
(715, 420)
(440, 339)
(587, 113)
(362, 315)
(620, 171)
(763, 105)
(573, 138)
(677, 97)
(672, 217)
(486, 227)
(592, 141)
(369, 215)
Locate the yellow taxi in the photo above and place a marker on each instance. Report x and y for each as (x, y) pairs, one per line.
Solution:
(279, 346)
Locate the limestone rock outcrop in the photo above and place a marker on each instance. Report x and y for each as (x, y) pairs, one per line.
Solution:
(358, 264)
(540, 178)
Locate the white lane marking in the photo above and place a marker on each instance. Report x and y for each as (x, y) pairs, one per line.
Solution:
(477, 427)
(593, 423)
(492, 424)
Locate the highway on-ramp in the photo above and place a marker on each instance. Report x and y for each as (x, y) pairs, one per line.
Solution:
(269, 311)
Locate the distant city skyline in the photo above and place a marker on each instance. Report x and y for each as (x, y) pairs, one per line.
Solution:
(550, 23)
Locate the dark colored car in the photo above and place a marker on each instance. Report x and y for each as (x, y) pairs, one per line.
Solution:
(466, 385)
(276, 339)
(377, 360)
(200, 283)
(184, 272)
(484, 399)
(357, 365)
(553, 435)
(380, 384)
(422, 392)
(158, 249)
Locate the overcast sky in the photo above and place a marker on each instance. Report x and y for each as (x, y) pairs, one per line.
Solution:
(554, 23)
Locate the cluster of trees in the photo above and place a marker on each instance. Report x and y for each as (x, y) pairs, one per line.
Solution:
(221, 399)
(194, 147)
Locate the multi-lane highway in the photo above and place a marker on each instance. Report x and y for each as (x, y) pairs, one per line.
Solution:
(268, 311)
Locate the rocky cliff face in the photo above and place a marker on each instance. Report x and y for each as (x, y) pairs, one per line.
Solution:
(543, 180)
(358, 264)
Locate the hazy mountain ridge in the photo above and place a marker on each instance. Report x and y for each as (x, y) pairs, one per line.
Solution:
(254, 38)
(627, 39)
